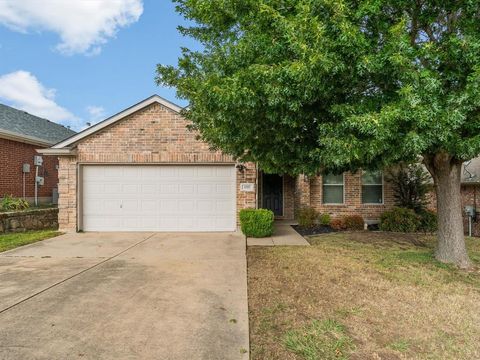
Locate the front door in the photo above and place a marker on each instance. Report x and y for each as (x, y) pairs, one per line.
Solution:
(273, 193)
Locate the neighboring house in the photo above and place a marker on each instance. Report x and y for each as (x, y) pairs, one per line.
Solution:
(142, 170)
(20, 135)
(470, 194)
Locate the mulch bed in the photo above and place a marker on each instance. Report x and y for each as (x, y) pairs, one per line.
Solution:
(314, 230)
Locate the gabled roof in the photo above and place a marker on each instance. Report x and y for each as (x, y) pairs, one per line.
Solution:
(21, 126)
(117, 117)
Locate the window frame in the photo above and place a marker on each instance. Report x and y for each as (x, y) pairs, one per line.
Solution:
(383, 189)
(343, 191)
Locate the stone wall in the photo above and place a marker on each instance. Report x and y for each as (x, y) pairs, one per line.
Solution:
(37, 219)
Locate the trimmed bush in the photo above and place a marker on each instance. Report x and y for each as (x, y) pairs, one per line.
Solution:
(256, 222)
(400, 220)
(354, 222)
(10, 203)
(428, 221)
(324, 219)
(337, 224)
(307, 217)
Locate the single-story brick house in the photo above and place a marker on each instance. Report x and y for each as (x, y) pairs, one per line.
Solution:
(20, 135)
(142, 170)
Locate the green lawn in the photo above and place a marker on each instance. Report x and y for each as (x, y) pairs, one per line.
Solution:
(13, 240)
(362, 295)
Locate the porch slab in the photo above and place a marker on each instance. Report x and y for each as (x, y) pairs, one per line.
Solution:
(283, 235)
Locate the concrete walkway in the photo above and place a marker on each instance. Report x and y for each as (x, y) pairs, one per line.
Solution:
(125, 296)
(283, 235)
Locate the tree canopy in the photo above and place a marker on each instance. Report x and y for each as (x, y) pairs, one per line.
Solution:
(310, 85)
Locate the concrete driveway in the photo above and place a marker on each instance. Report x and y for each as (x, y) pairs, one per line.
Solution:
(125, 296)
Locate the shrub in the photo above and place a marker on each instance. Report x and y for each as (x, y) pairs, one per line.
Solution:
(10, 203)
(354, 222)
(307, 217)
(256, 222)
(337, 224)
(324, 219)
(400, 220)
(411, 185)
(428, 221)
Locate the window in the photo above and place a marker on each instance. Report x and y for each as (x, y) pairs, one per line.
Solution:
(372, 187)
(333, 189)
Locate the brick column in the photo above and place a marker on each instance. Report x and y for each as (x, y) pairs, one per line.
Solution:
(67, 194)
(302, 192)
(246, 174)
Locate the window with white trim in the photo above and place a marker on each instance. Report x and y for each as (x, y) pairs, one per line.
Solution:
(372, 187)
(332, 189)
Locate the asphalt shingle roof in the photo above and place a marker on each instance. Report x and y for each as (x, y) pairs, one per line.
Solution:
(23, 123)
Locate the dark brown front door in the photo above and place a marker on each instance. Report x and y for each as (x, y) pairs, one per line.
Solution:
(273, 193)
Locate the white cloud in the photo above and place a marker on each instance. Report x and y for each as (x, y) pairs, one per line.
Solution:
(96, 113)
(83, 25)
(23, 91)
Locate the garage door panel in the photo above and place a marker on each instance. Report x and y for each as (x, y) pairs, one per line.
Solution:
(168, 188)
(148, 189)
(159, 198)
(224, 189)
(110, 172)
(102, 223)
(148, 206)
(186, 189)
(223, 222)
(205, 189)
(167, 206)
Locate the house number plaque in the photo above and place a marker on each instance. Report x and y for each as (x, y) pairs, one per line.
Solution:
(247, 187)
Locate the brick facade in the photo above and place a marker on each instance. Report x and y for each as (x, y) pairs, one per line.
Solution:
(353, 198)
(152, 135)
(158, 135)
(303, 191)
(13, 155)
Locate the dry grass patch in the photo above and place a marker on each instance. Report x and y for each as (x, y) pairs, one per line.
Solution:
(362, 295)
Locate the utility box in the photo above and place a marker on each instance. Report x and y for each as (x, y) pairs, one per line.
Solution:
(37, 160)
(26, 168)
(55, 196)
(470, 211)
(40, 180)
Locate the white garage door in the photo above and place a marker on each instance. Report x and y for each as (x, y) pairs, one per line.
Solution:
(159, 198)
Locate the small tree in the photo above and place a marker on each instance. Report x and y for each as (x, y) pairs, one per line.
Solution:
(411, 185)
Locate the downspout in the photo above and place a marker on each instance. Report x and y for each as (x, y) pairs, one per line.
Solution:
(256, 186)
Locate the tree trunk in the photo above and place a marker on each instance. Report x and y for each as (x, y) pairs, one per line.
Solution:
(446, 173)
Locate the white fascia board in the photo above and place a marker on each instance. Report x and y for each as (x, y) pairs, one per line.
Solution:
(57, 152)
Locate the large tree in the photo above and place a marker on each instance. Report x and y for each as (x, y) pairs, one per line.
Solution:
(304, 86)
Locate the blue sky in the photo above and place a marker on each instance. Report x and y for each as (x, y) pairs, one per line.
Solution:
(54, 66)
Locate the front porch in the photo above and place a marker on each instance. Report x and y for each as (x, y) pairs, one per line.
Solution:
(277, 193)
(283, 235)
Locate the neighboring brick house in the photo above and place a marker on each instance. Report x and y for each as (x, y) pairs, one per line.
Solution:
(141, 169)
(20, 135)
(470, 191)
